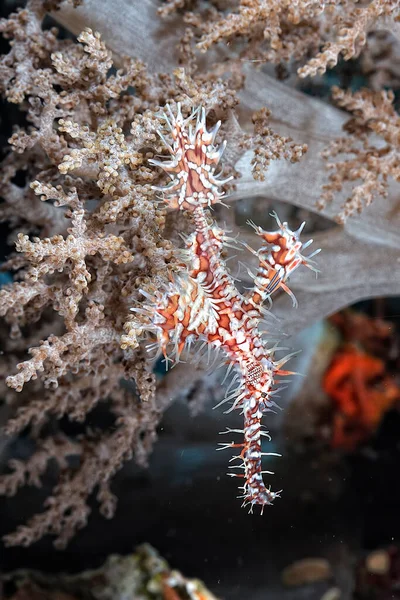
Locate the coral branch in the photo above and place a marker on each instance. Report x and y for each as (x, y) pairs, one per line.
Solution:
(280, 31)
(367, 165)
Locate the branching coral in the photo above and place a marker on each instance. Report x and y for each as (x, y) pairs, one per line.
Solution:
(279, 31)
(88, 274)
(269, 146)
(370, 162)
(349, 29)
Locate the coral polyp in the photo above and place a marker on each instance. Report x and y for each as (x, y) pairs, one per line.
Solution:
(202, 303)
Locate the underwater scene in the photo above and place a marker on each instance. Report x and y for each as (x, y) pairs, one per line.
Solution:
(199, 299)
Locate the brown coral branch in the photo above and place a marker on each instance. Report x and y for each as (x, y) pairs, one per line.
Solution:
(66, 509)
(368, 163)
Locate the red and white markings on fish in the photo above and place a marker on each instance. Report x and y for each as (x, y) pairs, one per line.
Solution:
(202, 303)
